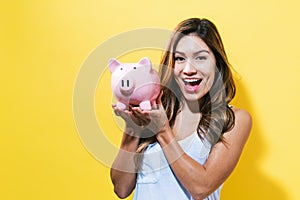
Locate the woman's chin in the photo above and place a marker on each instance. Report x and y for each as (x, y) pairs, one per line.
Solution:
(192, 96)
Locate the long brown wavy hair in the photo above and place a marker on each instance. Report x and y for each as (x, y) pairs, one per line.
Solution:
(217, 115)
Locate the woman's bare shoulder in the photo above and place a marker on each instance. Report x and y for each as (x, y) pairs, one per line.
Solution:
(241, 114)
(243, 121)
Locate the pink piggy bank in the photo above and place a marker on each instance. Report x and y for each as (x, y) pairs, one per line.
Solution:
(134, 83)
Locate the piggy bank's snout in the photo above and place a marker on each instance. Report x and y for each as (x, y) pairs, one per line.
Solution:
(126, 86)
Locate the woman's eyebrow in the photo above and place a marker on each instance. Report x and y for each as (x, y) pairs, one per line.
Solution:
(202, 51)
(197, 52)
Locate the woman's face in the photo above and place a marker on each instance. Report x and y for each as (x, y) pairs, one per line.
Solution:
(195, 66)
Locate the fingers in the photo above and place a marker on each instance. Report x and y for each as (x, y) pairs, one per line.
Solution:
(133, 116)
(116, 110)
(143, 116)
(154, 120)
(125, 114)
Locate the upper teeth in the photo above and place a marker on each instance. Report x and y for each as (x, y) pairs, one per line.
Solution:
(191, 80)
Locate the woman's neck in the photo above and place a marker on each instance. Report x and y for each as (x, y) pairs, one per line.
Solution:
(192, 106)
(187, 120)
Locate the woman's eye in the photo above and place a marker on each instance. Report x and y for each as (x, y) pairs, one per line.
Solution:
(179, 58)
(201, 58)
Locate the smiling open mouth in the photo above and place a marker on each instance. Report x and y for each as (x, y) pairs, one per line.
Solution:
(192, 82)
(192, 85)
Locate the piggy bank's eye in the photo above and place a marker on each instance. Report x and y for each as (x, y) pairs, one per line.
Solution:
(121, 68)
(134, 67)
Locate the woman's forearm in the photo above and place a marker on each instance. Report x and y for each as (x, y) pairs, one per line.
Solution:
(190, 173)
(123, 170)
(201, 180)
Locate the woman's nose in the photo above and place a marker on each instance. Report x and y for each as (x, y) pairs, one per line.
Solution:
(189, 69)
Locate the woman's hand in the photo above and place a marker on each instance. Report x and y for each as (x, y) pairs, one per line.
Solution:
(156, 119)
(134, 119)
(138, 120)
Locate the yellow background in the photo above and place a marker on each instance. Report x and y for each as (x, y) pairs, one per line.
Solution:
(44, 43)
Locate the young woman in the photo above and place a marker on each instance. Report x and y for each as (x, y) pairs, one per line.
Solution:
(190, 144)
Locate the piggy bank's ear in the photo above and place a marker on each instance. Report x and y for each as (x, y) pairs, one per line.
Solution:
(113, 64)
(146, 62)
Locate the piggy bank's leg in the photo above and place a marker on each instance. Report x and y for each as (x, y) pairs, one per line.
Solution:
(121, 106)
(145, 105)
(154, 105)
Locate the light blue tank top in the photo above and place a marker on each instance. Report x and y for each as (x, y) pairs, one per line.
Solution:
(156, 180)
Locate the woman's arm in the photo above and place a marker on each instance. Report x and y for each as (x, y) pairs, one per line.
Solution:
(202, 180)
(123, 170)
